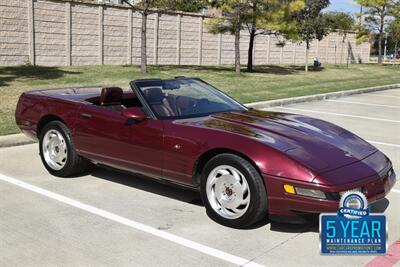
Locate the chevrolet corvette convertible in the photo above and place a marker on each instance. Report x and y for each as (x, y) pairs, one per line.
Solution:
(246, 163)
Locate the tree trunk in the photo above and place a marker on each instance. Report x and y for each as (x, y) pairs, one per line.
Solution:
(143, 52)
(251, 40)
(250, 51)
(335, 53)
(341, 49)
(237, 46)
(348, 49)
(380, 59)
(307, 52)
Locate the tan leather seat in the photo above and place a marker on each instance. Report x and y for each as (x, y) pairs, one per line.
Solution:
(111, 97)
(159, 102)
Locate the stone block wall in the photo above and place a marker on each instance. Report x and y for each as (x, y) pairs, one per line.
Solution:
(77, 32)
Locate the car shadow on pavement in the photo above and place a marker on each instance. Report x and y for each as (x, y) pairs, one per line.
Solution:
(380, 206)
(311, 224)
(147, 184)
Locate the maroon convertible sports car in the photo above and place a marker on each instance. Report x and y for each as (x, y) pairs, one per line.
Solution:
(246, 163)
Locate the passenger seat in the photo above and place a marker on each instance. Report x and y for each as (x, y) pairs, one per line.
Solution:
(111, 97)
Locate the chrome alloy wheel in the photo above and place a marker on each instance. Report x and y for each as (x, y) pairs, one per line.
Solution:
(228, 192)
(54, 150)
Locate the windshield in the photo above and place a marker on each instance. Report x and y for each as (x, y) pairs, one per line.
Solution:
(185, 98)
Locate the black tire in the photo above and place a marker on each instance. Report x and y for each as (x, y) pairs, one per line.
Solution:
(257, 209)
(74, 163)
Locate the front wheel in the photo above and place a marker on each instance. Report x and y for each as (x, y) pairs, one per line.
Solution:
(57, 151)
(233, 191)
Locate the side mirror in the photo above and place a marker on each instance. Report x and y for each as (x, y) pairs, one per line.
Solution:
(134, 115)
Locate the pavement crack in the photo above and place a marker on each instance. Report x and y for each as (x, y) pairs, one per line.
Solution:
(165, 227)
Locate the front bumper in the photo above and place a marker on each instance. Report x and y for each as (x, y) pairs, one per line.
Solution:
(289, 205)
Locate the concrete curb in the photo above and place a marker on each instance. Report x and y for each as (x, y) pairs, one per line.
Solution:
(310, 98)
(15, 140)
(20, 139)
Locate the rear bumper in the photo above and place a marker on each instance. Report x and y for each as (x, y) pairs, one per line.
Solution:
(289, 205)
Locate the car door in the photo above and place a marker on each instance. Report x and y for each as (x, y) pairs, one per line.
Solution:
(104, 136)
(181, 150)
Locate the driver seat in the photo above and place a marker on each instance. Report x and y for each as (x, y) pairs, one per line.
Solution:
(111, 97)
(159, 102)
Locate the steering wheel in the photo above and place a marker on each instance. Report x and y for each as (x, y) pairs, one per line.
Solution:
(187, 105)
(192, 107)
(201, 102)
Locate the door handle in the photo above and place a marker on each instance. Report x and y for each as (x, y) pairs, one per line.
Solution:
(86, 115)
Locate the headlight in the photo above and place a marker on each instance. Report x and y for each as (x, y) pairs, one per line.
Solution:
(310, 192)
(290, 189)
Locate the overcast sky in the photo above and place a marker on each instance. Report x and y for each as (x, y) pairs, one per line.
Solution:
(344, 5)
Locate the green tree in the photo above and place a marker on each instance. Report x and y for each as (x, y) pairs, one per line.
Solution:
(257, 16)
(376, 16)
(343, 23)
(182, 5)
(363, 34)
(269, 17)
(235, 14)
(311, 24)
(394, 33)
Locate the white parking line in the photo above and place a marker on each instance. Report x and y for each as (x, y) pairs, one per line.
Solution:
(339, 114)
(383, 144)
(136, 225)
(396, 191)
(361, 103)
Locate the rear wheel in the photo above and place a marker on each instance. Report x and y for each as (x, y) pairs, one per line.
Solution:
(57, 151)
(233, 191)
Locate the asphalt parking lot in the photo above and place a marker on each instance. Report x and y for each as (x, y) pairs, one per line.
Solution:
(107, 218)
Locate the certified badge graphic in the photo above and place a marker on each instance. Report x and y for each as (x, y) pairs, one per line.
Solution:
(353, 205)
(353, 230)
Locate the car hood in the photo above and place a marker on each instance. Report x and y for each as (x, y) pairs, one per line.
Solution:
(316, 144)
